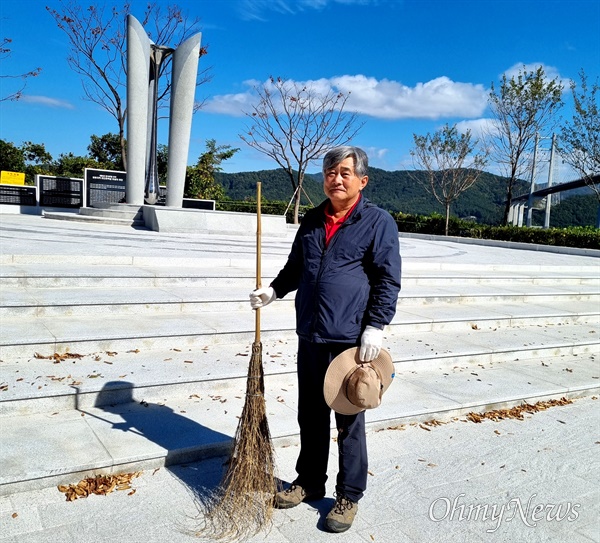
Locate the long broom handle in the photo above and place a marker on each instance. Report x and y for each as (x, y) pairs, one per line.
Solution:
(258, 259)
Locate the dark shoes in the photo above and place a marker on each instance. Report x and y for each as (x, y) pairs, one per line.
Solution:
(338, 520)
(342, 515)
(295, 495)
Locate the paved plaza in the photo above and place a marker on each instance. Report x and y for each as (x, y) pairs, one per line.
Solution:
(479, 327)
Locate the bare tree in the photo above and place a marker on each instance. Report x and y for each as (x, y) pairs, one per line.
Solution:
(579, 142)
(522, 106)
(98, 36)
(5, 52)
(296, 124)
(449, 162)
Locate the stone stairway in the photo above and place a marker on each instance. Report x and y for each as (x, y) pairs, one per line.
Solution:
(107, 366)
(103, 213)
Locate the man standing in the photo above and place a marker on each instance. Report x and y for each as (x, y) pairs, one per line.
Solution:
(345, 265)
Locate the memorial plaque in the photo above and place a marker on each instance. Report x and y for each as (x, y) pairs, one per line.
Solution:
(104, 186)
(18, 195)
(60, 191)
(193, 203)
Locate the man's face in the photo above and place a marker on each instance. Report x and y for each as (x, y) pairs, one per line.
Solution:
(342, 186)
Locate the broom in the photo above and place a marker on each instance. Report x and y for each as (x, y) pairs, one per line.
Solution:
(243, 503)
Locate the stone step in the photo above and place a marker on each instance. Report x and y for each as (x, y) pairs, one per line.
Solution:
(87, 333)
(42, 450)
(128, 213)
(46, 385)
(19, 302)
(101, 277)
(92, 219)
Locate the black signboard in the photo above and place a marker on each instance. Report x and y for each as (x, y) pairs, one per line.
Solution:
(60, 191)
(192, 203)
(19, 195)
(104, 186)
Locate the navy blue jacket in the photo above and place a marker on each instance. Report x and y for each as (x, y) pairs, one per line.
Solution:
(352, 283)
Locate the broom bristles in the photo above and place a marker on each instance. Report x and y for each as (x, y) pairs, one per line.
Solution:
(242, 505)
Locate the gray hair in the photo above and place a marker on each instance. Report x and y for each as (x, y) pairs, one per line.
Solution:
(337, 154)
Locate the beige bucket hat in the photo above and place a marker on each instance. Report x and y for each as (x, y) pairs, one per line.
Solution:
(351, 386)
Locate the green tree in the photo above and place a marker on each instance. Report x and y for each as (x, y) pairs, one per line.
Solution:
(522, 106)
(107, 151)
(37, 160)
(200, 179)
(296, 124)
(11, 157)
(162, 162)
(70, 165)
(579, 142)
(451, 163)
(97, 36)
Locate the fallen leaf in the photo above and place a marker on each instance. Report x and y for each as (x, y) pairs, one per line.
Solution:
(518, 411)
(100, 484)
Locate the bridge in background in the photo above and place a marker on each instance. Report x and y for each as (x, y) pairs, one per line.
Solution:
(520, 203)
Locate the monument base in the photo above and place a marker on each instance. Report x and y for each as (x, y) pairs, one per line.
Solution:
(180, 220)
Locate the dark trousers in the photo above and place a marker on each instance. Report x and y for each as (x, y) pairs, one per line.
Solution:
(314, 419)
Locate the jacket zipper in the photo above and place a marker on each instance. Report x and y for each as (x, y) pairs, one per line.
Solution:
(325, 249)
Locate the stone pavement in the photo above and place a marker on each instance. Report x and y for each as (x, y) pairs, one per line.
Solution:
(542, 475)
(419, 472)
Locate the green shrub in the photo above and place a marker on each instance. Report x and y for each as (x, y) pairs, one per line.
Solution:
(586, 237)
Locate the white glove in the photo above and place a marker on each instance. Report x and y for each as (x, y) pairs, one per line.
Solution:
(262, 297)
(370, 343)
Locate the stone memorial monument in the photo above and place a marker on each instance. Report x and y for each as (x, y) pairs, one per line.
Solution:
(144, 60)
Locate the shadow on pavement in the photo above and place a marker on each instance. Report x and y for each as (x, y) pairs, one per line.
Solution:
(184, 440)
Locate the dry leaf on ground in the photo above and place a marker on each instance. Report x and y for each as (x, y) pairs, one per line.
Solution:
(518, 411)
(100, 485)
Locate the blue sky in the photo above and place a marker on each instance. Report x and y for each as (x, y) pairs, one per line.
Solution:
(411, 65)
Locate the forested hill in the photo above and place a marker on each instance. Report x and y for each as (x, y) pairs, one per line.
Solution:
(394, 191)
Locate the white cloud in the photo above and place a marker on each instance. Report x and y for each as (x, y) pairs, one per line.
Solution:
(382, 99)
(258, 9)
(480, 128)
(46, 101)
(375, 153)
